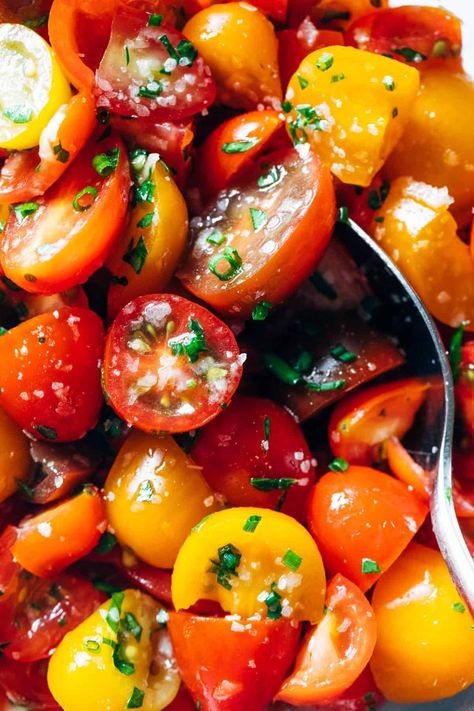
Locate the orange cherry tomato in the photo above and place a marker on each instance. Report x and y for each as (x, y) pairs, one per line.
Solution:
(362, 520)
(229, 664)
(50, 375)
(335, 652)
(364, 420)
(57, 537)
(27, 174)
(232, 147)
(250, 236)
(60, 240)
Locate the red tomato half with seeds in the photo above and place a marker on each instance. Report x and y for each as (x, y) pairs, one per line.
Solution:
(272, 464)
(50, 374)
(170, 365)
(151, 70)
(260, 240)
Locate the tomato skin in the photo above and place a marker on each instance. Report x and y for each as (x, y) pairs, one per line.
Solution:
(421, 29)
(15, 462)
(207, 398)
(213, 657)
(465, 387)
(333, 654)
(25, 684)
(424, 643)
(321, 11)
(70, 356)
(366, 419)
(60, 246)
(363, 514)
(276, 9)
(292, 248)
(216, 169)
(54, 539)
(294, 45)
(228, 468)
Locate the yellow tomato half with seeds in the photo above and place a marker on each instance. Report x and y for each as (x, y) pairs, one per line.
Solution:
(120, 657)
(33, 86)
(252, 561)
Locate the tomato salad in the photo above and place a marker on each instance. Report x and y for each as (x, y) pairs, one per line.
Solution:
(210, 492)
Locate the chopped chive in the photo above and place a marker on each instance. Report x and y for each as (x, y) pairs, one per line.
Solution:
(370, 566)
(448, 493)
(195, 342)
(92, 646)
(389, 83)
(89, 191)
(343, 214)
(258, 217)
(61, 154)
(286, 107)
(47, 432)
(302, 81)
(146, 491)
(228, 561)
(239, 146)
(155, 20)
(339, 465)
(151, 90)
(273, 176)
(62, 621)
(458, 607)
(376, 198)
(251, 523)
(455, 354)
(127, 56)
(3, 331)
(105, 163)
(216, 238)
(337, 77)
(169, 47)
(113, 613)
(266, 428)
(18, 114)
(261, 310)
(187, 53)
(233, 259)
(411, 55)
(340, 353)
(136, 699)
(327, 386)
(24, 210)
(132, 625)
(145, 192)
(281, 369)
(107, 543)
(292, 560)
(136, 255)
(35, 22)
(325, 62)
(138, 158)
(268, 484)
(273, 603)
(162, 617)
(303, 362)
(379, 219)
(146, 220)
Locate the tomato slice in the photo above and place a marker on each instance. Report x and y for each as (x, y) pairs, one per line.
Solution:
(151, 70)
(362, 520)
(62, 467)
(409, 34)
(366, 419)
(232, 665)
(25, 685)
(272, 453)
(50, 375)
(334, 653)
(50, 541)
(27, 174)
(170, 365)
(60, 240)
(277, 223)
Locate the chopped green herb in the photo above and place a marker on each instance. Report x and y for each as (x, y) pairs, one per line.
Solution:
(127, 55)
(376, 198)
(187, 53)
(92, 646)
(113, 614)
(228, 561)
(411, 55)
(343, 214)
(323, 286)
(3, 331)
(46, 432)
(136, 255)
(326, 387)
(291, 560)
(105, 163)
(325, 62)
(169, 47)
(448, 492)
(136, 699)
(339, 465)
(24, 210)
(281, 369)
(35, 22)
(266, 428)
(138, 158)
(91, 194)
(304, 362)
(337, 77)
(233, 259)
(146, 220)
(340, 353)
(132, 625)
(286, 107)
(267, 484)
(62, 621)
(155, 20)
(379, 219)
(273, 177)
(441, 49)
(61, 154)
(120, 663)
(194, 343)
(239, 146)
(145, 192)
(455, 355)
(306, 118)
(261, 311)
(18, 114)
(251, 523)
(258, 217)
(162, 617)
(107, 542)
(216, 238)
(146, 491)
(459, 607)
(151, 90)
(302, 81)
(370, 566)
(388, 83)
(26, 489)
(273, 603)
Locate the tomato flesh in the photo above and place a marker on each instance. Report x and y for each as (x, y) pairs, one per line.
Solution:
(170, 365)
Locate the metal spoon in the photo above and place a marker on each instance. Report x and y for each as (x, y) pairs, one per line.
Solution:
(406, 317)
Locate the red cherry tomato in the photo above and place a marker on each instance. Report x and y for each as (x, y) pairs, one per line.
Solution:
(182, 702)
(170, 365)
(277, 223)
(276, 9)
(232, 665)
(63, 467)
(362, 520)
(409, 34)
(465, 387)
(151, 70)
(44, 611)
(62, 238)
(362, 695)
(270, 446)
(50, 375)
(25, 685)
(335, 652)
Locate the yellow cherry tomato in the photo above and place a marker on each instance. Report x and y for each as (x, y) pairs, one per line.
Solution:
(118, 656)
(15, 460)
(147, 255)
(240, 46)
(351, 106)
(419, 233)
(438, 145)
(155, 494)
(33, 86)
(251, 561)
(425, 638)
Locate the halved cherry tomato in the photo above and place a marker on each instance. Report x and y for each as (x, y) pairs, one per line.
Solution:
(170, 365)
(271, 451)
(25, 685)
(251, 560)
(44, 611)
(279, 222)
(27, 174)
(465, 387)
(62, 468)
(245, 71)
(362, 520)
(334, 653)
(294, 45)
(232, 147)
(15, 461)
(149, 250)
(362, 695)
(151, 70)
(409, 34)
(366, 419)
(50, 541)
(229, 664)
(60, 240)
(50, 375)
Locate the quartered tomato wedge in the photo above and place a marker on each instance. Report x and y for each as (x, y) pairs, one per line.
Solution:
(260, 240)
(62, 238)
(62, 468)
(169, 364)
(150, 69)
